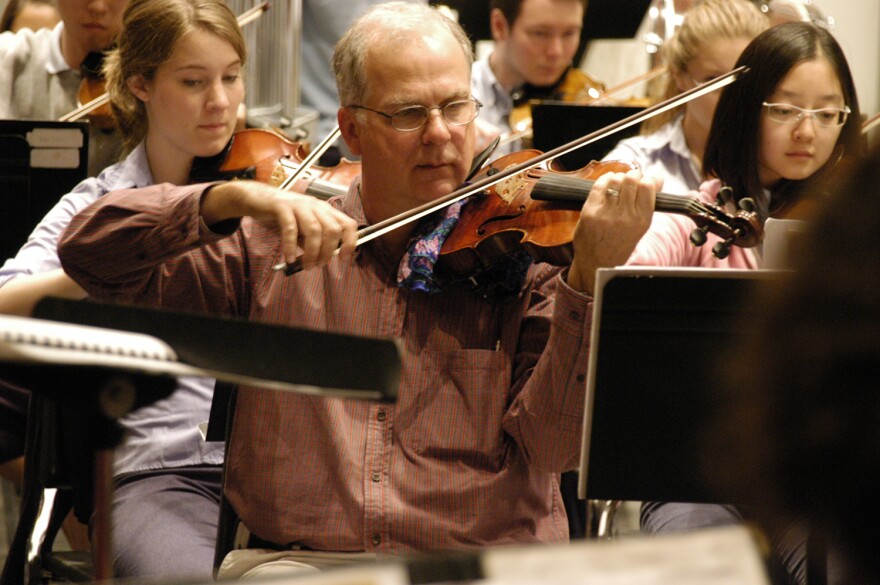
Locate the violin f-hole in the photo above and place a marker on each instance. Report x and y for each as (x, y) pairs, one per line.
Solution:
(488, 224)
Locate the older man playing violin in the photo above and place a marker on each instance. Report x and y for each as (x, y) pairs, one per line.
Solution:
(492, 393)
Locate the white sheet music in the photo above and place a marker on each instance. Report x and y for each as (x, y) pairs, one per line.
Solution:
(27, 340)
(723, 556)
(779, 234)
(35, 340)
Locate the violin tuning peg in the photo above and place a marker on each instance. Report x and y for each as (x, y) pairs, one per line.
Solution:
(725, 195)
(698, 236)
(721, 250)
(747, 204)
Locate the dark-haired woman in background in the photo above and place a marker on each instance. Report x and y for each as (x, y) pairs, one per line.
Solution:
(779, 131)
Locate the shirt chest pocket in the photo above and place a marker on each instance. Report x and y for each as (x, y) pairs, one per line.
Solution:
(457, 407)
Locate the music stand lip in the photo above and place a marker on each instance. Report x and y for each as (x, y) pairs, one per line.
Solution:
(125, 357)
(252, 353)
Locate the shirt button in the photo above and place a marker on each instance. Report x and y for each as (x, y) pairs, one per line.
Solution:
(375, 477)
(581, 377)
(574, 315)
(377, 539)
(380, 416)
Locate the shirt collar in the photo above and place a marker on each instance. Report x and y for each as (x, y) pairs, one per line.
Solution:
(132, 173)
(139, 173)
(56, 63)
(352, 205)
(488, 86)
(677, 141)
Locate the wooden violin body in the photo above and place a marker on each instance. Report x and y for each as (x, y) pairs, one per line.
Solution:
(91, 89)
(268, 157)
(321, 181)
(539, 209)
(505, 218)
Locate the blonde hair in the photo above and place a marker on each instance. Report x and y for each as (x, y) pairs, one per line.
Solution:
(151, 31)
(703, 24)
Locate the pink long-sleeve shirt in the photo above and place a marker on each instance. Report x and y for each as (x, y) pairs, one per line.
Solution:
(490, 405)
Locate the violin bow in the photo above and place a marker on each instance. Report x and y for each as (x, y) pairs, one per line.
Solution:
(392, 223)
(252, 14)
(870, 123)
(310, 160)
(87, 108)
(655, 72)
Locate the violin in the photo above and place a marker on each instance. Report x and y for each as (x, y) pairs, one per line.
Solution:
(266, 156)
(743, 228)
(538, 210)
(91, 89)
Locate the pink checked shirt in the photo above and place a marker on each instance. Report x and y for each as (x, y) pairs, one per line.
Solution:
(490, 404)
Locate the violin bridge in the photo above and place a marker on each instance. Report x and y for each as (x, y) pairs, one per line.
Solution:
(508, 188)
(278, 176)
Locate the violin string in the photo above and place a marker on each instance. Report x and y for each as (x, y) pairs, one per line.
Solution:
(381, 228)
(309, 160)
(388, 225)
(664, 201)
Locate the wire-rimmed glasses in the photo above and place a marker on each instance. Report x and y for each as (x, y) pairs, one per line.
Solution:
(409, 118)
(789, 114)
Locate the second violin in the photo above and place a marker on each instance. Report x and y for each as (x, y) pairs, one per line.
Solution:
(269, 157)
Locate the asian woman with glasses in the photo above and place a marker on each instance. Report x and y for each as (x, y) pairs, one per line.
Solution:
(779, 131)
(711, 38)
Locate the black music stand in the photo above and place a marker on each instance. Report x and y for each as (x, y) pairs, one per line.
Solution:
(76, 453)
(231, 350)
(658, 337)
(557, 123)
(40, 160)
(242, 351)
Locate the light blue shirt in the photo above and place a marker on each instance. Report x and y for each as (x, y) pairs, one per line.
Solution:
(164, 434)
(497, 102)
(663, 153)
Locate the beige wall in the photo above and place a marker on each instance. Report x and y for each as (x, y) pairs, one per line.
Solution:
(857, 29)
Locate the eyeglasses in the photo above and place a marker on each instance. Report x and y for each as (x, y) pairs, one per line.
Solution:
(789, 114)
(409, 118)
